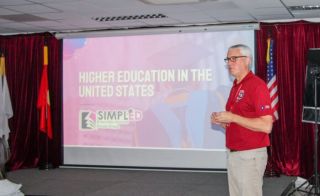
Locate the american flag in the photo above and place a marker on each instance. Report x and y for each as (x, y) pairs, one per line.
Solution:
(272, 80)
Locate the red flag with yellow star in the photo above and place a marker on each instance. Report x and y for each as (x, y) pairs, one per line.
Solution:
(43, 103)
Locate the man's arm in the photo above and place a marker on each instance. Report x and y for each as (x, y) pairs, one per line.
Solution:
(260, 124)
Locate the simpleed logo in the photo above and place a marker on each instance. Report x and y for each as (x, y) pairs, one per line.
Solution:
(108, 119)
(87, 120)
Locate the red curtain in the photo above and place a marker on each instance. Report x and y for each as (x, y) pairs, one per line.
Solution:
(292, 141)
(24, 62)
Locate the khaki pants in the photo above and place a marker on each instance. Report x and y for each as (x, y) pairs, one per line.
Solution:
(245, 171)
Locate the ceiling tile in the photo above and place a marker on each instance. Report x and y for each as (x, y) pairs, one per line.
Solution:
(116, 4)
(34, 8)
(4, 11)
(250, 4)
(269, 11)
(272, 17)
(216, 5)
(54, 1)
(307, 14)
(14, 2)
(78, 7)
(192, 17)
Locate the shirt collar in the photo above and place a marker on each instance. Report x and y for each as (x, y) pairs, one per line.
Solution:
(247, 77)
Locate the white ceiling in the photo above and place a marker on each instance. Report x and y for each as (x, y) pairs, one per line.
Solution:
(27, 16)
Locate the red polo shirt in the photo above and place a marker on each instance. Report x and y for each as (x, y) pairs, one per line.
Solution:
(251, 99)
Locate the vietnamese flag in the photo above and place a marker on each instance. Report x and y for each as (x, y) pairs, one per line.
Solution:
(43, 103)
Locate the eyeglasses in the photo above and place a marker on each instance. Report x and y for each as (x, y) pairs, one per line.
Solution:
(233, 58)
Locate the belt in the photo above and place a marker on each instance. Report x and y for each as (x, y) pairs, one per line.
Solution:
(256, 149)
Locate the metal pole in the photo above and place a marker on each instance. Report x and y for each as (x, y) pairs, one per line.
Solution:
(316, 137)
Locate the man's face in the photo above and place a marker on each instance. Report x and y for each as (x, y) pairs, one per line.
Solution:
(237, 63)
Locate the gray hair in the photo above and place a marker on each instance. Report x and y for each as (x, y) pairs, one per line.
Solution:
(244, 50)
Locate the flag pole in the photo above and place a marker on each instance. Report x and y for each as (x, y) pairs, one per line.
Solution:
(46, 165)
(271, 171)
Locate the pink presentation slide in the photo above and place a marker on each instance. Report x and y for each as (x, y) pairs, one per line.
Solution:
(149, 91)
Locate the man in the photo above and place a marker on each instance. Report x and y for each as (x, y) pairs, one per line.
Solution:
(248, 121)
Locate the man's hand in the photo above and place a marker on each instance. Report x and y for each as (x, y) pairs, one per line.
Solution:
(222, 117)
(216, 118)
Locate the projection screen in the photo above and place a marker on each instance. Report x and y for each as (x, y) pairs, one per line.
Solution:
(146, 100)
